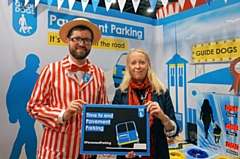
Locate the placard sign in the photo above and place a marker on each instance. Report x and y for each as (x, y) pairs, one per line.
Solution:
(115, 129)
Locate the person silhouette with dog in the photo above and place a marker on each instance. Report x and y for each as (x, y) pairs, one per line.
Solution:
(206, 115)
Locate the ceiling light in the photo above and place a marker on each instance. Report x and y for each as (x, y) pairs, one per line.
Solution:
(149, 10)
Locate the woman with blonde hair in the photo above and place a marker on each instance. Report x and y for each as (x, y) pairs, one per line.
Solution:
(141, 86)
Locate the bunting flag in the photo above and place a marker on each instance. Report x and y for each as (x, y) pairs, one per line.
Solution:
(49, 3)
(165, 2)
(95, 4)
(153, 4)
(71, 3)
(26, 2)
(208, 2)
(84, 4)
(181, 3)
(193, 2)
(121, 4)
(36, 2)
(162, 12)
(108, 4)
(135, 4)
(59, 3)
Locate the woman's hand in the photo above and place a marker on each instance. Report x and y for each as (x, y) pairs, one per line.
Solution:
(154, 109)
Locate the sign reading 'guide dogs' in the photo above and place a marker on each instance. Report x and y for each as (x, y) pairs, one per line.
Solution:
(115, 129)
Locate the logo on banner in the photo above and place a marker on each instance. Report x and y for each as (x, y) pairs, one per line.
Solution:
(179, 119)
(141, 113)
(24, 18)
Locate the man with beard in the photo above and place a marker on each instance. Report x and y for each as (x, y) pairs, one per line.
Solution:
(63, 88)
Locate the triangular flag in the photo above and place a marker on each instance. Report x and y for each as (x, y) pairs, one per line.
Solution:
(26, 2)
(135, 4)
(164, 3)
(108, 4)
(36, 2)
(95, 4)
(71, 3)
(59, 3)
(193, 2)
(121, 4)
(153, 4)
(49, 3)
(208, 2)
(84, 4)
(181, 2)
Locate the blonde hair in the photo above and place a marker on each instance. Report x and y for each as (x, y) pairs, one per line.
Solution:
(155, 82)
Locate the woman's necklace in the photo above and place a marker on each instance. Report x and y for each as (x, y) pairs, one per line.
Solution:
(143, 95)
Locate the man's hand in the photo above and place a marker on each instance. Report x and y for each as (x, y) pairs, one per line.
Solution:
(74, 106)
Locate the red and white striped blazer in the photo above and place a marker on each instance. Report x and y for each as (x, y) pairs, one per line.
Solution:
(54, 89)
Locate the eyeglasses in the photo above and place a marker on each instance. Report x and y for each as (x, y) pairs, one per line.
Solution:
(86, 41)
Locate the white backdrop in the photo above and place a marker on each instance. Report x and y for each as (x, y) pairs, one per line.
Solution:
(158, 40)
(17, 45)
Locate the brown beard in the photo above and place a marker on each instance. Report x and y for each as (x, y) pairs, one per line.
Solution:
(79, 57)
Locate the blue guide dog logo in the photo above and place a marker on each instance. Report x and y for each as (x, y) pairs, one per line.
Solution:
(141, 112)
(86, 77)
(24, 19)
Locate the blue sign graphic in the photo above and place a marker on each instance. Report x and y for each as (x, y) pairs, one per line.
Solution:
(56, 20)
(24, 19)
